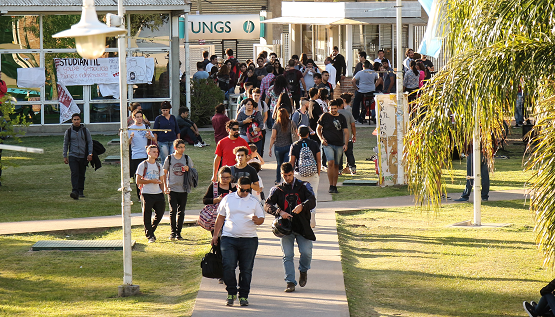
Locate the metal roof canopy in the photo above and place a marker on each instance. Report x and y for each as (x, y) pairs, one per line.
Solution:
(347, 13)
(33, 7)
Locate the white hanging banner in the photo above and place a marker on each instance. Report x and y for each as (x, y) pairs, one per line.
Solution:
(149, 63)
(67, 105)
(136, 70)
(80, 72)
(30, 77)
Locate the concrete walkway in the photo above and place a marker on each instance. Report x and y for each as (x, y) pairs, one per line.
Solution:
(324, 294)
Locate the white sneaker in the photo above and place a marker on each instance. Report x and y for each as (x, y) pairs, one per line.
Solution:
(205, 144)
(198, 144)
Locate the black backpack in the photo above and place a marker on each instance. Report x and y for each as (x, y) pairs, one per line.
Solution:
(293, 81)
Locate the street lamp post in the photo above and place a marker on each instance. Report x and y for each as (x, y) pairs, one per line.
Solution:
(90, 41)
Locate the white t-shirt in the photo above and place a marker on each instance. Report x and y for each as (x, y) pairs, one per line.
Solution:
(152, 172)
(139, 142)
(333, 73)
(238, 214)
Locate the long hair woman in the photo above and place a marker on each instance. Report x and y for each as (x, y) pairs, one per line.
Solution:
(411, 81)
(274, 92)
(281, 138)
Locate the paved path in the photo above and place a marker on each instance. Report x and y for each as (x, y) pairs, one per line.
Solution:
(324, 294)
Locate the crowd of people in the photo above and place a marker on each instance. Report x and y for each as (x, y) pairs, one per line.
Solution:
(309, 131)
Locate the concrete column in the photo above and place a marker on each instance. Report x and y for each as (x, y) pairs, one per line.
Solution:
(174, 64)
(349, 50)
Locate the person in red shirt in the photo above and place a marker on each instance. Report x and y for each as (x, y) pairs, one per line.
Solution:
(3, 87)
(224, 149)
(218, 123)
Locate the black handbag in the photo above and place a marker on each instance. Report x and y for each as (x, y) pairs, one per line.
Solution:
(211, 264)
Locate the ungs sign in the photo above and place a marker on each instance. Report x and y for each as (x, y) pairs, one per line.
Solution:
(223, 27)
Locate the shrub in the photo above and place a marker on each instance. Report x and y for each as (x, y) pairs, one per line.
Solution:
(205, 95)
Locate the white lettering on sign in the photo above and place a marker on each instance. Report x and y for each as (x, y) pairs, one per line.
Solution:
(224, 26)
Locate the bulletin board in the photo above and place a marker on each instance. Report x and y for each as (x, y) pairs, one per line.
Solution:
(388, 124)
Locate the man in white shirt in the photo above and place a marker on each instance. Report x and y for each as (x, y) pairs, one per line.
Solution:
(238, 215)
(332, 71)
(410, 57)
(380, 57)
(213, 61)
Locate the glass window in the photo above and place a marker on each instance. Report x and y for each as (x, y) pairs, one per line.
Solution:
(159, 86)
(104, 112)
(150, 30)
(52, 113)
(31, 113)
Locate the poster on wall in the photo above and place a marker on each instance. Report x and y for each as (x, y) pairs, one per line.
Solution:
(82, 72)
(388, 125)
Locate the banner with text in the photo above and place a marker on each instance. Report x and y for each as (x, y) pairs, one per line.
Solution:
(67, 105)
(80, 72)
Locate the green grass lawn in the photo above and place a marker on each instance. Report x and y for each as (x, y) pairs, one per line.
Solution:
(72, 283)
(508, 173)
(404, 262)
(39, 188)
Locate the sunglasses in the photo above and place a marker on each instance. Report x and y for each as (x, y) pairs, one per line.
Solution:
(245, 190)
(234, 129)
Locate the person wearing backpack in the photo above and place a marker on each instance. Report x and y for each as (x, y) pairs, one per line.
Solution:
(78, 151)
(293, 199)
(151, 181)
(294, 80)
(175, 167)
(306, 158)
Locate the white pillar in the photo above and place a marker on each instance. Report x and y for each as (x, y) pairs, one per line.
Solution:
(400, 105)
(187, 66)
(476, 160)
(349, 50)
(124, 150)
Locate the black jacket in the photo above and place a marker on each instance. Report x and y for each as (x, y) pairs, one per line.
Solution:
(287, 197)
(549, 288)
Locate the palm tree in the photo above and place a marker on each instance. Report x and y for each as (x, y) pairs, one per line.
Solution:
(492, 44)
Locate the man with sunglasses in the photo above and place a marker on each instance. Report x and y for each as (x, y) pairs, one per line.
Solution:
(224, 149)
(294, 199)
(238, 215)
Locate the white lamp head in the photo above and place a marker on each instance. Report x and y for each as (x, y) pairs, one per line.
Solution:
(90, 34)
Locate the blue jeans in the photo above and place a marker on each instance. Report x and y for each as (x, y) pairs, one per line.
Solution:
(519, 109)
(470, 182)
(165, 149)
(282, 155)
(288, 248)
(333, 153)
(547, 301)
(242, 250)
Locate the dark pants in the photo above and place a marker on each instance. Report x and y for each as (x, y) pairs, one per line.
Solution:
(356, 106)
(260, 144)
(132, 170)
(350, 157)
(78, 167)
(178, 201)
(546, 302)
(151, 202)
(282, 156)
(296, 101)
(191, 134)
(242, 250)
(470, 182)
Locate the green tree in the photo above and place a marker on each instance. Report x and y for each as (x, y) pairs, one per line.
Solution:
(205, 96)
(8, 122)
(492, 46)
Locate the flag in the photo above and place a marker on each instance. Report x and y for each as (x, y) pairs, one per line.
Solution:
(432, 41)
(67, 105)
